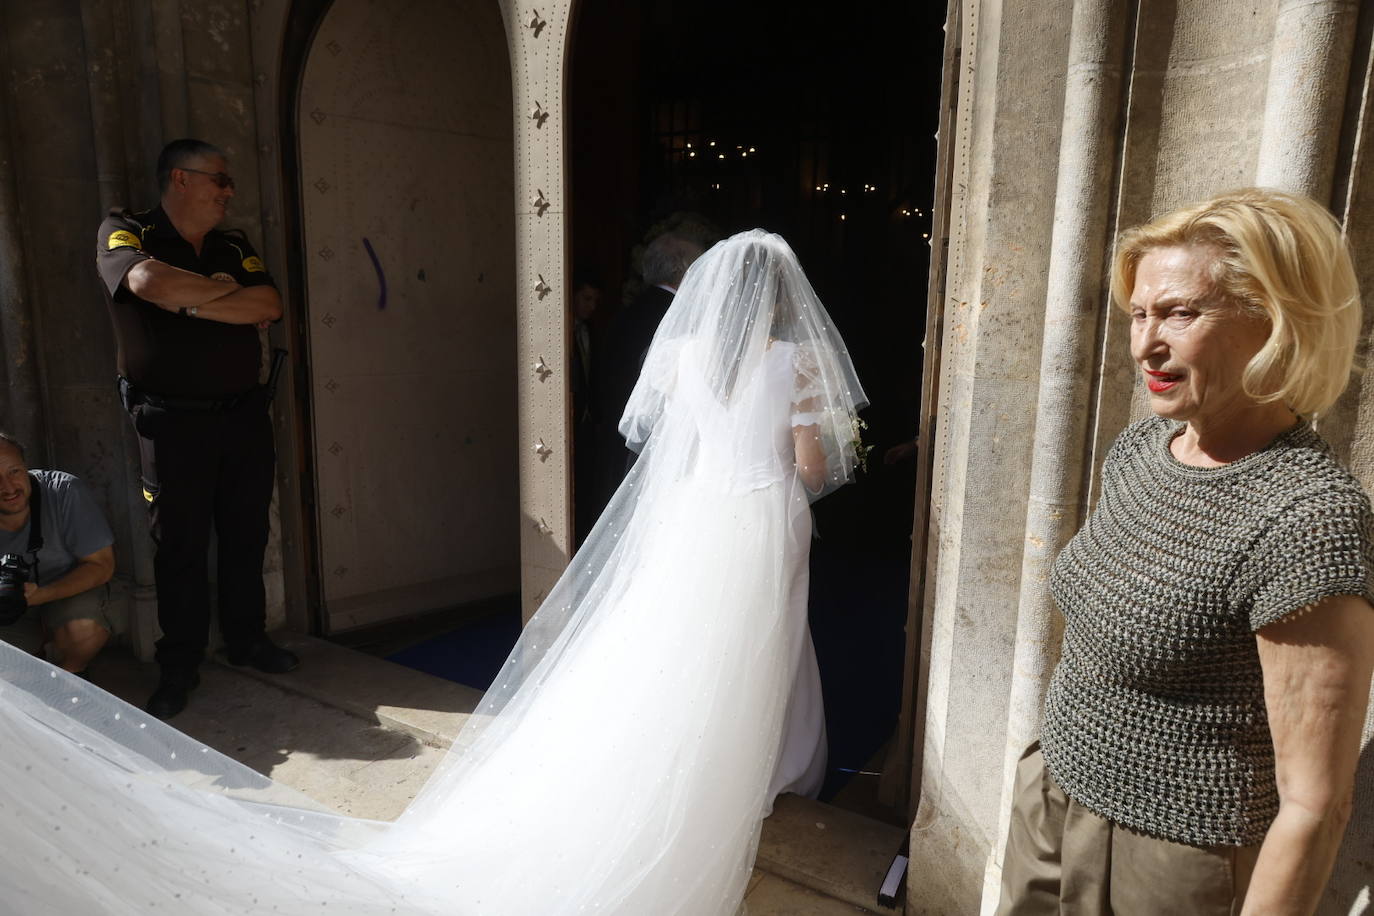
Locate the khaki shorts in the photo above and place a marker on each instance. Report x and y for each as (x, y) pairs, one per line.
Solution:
(1062, 858)
(27, 634)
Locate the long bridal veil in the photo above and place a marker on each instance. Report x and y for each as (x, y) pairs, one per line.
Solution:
(620, 762)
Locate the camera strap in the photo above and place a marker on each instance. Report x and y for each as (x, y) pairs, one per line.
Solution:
(35, 521)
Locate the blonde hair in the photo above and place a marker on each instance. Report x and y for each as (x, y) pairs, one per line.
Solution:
(1282, 256)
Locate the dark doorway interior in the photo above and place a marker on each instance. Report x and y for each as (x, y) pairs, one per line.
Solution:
(815, 121)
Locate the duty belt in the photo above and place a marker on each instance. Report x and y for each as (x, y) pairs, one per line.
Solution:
(132, 396)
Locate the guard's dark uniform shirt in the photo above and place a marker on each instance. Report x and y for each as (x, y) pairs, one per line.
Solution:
(164, 353)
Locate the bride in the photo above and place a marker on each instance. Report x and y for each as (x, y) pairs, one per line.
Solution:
(625, 756)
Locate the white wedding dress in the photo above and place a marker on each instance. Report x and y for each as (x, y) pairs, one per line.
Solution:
(626, 755)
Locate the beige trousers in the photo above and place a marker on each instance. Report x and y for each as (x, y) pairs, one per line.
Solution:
(1062, 858)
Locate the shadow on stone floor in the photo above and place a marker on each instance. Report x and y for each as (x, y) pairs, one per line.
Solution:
(361, 735)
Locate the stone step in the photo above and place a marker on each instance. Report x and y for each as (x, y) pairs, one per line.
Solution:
(430, 709)
(830, 850)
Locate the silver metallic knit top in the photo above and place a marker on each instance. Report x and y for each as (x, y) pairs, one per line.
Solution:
(1155, 717)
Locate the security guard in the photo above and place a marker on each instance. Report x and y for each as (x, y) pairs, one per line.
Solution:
(186, 300)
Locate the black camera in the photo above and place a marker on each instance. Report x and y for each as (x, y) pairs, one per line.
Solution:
(14, 572)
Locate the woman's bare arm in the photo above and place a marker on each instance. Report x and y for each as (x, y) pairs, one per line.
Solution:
(1317, 667)
(811, 465)
(806, 430)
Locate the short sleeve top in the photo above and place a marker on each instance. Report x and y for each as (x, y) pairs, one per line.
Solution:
(162, 352)
(1155, 716)
(73, 526)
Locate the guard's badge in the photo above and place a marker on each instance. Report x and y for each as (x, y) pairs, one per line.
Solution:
(253, 264)
(123, 238)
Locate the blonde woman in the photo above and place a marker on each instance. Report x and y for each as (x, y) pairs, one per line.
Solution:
(1202, 728)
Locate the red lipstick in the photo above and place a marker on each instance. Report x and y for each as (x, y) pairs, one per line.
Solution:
(1160, 381)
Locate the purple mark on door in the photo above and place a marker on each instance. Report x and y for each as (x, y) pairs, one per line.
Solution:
(381, 275)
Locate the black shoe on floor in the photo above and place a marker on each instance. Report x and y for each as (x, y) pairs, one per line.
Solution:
(265, 656)
(170, 696)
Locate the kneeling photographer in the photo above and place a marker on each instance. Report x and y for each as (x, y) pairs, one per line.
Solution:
(56, 556)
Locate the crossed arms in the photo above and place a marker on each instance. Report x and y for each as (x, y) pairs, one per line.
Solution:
(172, 289)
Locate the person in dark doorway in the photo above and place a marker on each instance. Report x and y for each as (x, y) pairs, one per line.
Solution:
(51, 522)
(585, 303)
(186, 299)
(665, 260)
(1202, 728)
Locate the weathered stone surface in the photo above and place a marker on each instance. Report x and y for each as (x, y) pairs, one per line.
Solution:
(1206, 111)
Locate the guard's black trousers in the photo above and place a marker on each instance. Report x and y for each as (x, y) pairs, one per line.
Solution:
(203, 468)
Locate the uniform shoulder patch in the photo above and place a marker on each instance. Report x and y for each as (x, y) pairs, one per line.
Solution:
(253, 264)
(123, 238)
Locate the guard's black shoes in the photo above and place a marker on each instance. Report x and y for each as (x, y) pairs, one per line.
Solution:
(266, 656)
(170, 696)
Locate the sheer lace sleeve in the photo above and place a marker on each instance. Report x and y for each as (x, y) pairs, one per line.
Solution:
(807, 400)
(657, 379)
(808, 420)
(825, 403)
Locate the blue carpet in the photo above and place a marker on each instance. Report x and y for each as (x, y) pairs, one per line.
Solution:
(471, 655)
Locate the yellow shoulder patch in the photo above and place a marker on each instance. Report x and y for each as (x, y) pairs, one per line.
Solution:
(253, 264)
(123, 238)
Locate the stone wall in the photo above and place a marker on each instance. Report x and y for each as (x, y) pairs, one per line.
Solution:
(1076, 119)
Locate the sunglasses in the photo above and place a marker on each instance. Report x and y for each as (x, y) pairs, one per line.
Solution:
(221, 179)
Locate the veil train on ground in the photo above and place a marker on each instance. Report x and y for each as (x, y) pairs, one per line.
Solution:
(625, 756)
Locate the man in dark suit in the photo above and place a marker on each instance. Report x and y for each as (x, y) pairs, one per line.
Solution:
(665, 261)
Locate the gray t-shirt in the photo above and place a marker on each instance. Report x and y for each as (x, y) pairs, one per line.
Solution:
(73, 527)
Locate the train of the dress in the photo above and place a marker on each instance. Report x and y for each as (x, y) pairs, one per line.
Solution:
(630, 775)
(621, 762)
